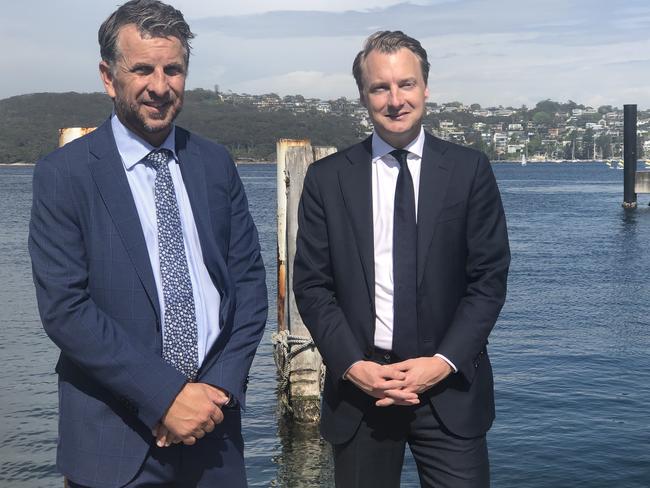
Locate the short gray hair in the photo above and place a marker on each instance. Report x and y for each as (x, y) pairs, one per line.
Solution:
(389, 42)
(152, 18)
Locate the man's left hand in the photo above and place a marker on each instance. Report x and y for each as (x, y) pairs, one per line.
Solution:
(421, 374)
(165, 438)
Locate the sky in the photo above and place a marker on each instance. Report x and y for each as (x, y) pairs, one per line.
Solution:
(491, 52)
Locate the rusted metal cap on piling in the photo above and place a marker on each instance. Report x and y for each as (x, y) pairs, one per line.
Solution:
(68, 134)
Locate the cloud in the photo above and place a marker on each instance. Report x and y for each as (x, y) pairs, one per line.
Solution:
(197, 10)
(240, 60)
(311, 84)
(493, 52)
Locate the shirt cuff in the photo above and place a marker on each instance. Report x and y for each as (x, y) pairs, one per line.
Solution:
(453, 366)
(345, 375)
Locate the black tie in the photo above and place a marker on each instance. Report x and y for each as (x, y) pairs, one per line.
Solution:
(405, 233)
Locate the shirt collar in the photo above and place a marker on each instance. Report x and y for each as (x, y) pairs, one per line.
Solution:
(380, 147)
(133, 148)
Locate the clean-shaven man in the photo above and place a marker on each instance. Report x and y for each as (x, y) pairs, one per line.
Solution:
(400, 275)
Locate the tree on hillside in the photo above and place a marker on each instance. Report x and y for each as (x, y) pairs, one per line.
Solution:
(547, 106)
(543, 118)
(587, 149)
(570, 150)
(604, 145)
(535, 145)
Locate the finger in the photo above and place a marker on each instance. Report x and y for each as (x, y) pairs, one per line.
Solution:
(172, 439)
(161, 440)
(390, 372)
(410, 403)
(390, 385)
(402, 395)
(209, 426)
(415, 388)
(217, 416)
(385, 402)
(388, 401)
(216, 395)
(189, 440)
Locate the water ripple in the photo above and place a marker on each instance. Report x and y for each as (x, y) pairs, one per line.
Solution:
(570, 351)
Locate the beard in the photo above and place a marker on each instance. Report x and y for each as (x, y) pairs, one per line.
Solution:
(130, 115)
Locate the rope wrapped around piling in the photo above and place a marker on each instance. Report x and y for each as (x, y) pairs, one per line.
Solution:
(287, 346)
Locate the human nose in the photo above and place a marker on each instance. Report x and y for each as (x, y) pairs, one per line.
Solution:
(158, 84)
(395, 98)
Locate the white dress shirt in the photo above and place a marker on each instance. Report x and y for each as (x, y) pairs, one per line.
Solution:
(385, 169)
(141, 177)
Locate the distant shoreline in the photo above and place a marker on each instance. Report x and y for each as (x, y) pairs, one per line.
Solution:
(6, 165)
(513, 161)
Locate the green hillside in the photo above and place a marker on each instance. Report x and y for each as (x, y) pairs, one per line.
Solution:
(29, 124)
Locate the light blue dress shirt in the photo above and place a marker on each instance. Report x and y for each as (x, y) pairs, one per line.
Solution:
(141, 178)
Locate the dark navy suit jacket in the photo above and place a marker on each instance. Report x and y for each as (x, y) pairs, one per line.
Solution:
(462, 267)
(98, 302)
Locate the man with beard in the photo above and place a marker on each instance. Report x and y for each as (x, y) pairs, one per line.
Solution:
(148, 276)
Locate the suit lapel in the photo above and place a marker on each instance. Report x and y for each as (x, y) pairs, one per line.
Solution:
(356, 186)
(194, 178)
(109, 176)
(434, 178)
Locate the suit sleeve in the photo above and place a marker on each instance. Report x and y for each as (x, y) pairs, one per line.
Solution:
(488, 259)
(87, 336)
(246, 270)
(314, 287)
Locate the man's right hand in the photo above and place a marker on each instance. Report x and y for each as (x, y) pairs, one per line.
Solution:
(194, 412)
(376, 379)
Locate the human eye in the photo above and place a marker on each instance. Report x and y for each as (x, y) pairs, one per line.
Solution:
(142, 69)
(378, 88)
(174, 70)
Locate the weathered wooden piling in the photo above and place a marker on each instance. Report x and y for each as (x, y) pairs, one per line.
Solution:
(68, 134)
(629, 156)
(281, 148)
(299, 364)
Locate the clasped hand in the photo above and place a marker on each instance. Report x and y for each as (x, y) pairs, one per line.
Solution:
(398, 383)
(195, 411)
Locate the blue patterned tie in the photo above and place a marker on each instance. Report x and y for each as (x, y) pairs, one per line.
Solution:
(180, 333)
(405, 236)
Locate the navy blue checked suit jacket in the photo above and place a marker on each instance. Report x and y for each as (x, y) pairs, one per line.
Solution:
(98, 302)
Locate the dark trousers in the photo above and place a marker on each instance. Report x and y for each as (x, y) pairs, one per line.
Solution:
(373, 458)
(215, 460)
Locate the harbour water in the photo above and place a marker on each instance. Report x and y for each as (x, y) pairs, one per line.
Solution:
(570, 351)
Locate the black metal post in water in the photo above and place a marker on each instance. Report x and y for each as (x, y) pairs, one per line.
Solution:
(629, 156)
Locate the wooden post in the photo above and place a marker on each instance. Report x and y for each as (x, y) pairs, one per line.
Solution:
(303, 366)
(68, 134)
(322, 151)
(281, 153)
